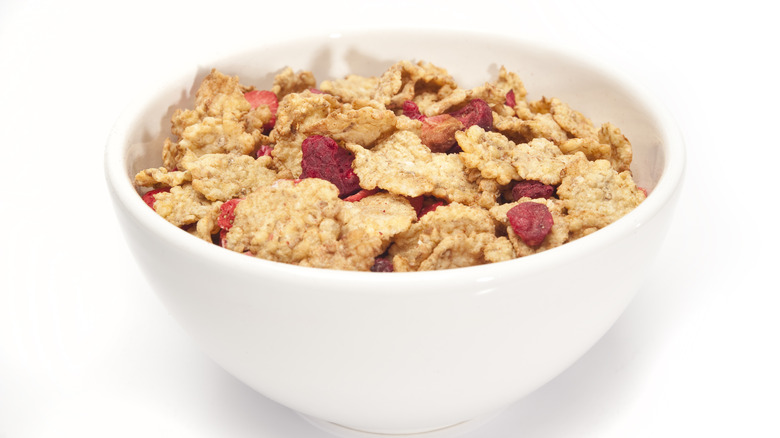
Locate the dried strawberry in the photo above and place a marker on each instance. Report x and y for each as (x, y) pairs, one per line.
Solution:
(411, 110)
(455, 149)
(424, 204)
(532, 189)
(476, 112)
(429, 208)
(227, 213)
(149, 198)
(382, 264)
(316, 91)
(264, 151)
(531, 221)
(324, 159)
(417, 204)
(360, 195)
(510, 98)
(264, 97)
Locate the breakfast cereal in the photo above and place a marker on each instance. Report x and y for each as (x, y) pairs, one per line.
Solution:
(404, 171)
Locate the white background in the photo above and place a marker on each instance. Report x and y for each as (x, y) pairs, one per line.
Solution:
(86, 349)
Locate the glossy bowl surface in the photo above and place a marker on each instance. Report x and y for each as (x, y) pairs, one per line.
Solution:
(402, 352)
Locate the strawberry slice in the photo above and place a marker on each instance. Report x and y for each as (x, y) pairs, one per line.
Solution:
(149, 198)
(264, 97)
(360, 195)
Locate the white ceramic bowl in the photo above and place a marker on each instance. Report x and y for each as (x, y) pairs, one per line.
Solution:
(402, 352)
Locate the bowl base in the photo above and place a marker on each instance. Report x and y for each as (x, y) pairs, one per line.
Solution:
(438, 432)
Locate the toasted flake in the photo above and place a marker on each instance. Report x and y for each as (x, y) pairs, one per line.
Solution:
(494, 93)
(182, 205)
(595, 195)
(621, 152)
(363, 126)
(380, 216)
(352, 88)
(499, 249)
(490, 152)
(523, 110)
(288, 81)
(220, 177)
(207, 225)
(305, 223)
(451, 236)
(220, 96)
(403, 80)
(573, 122)
(211, 136)
(510, 126)
(258, 118)
(442, 100)
(216, 125)
(404, 123)
(446, 98)
(591, 147)
(539, 160)
(402, 165)
(543, 126)
(160, 177)
(489, 191)
(289, 222)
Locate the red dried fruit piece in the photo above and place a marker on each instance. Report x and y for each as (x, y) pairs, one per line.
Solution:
(148, 197)
(532, 189)
(264, 97)
(438, 132)
(510, 99)
(643, 190)
(424, 204)
(360, 195)
(476, 112)
(412, 111)
(264, 151)
(316, 91)
(227, 213)
(382, 264)
(324, 159)
(531, 221)
(429, 208)
(417, 203)
(455, 149)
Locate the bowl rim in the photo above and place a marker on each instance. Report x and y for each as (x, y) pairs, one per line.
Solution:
(123, 191)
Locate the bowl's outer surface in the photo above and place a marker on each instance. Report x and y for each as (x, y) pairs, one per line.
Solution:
(403, 352)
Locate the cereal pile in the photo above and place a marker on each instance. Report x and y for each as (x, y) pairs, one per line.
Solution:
(405, 171)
